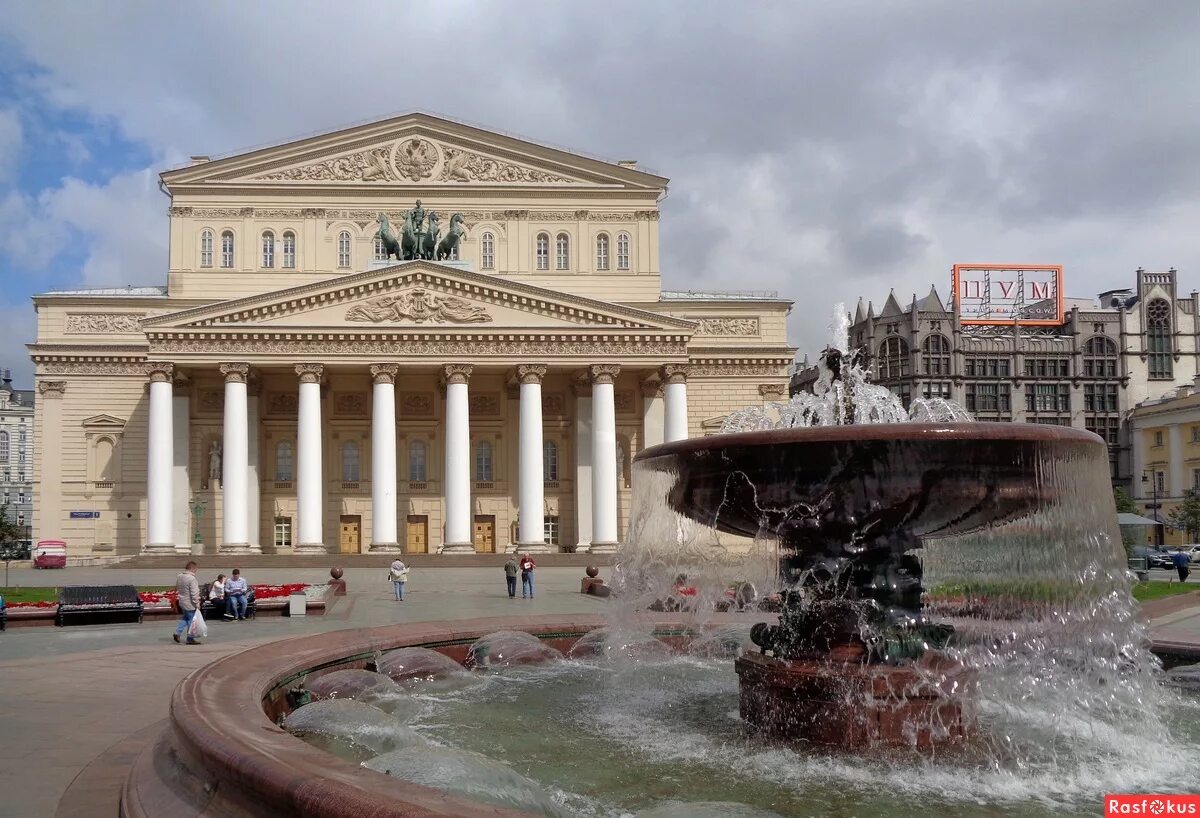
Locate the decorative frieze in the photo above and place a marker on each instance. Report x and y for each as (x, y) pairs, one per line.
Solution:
(52, 389)
(283, 403)
(609, 216)
(553, 215)
(466, 166)
(727, 326)
(210, 400)
(554, 403)
(349, 403)
(92, 366)
(734, 368)
(364, 166)
(418, 306)
(624, 401)
(98, 323)
(400, 347)
(416, 405)
(484, 405)
(773, 391)
(415, 158)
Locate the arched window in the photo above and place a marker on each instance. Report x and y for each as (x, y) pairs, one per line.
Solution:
(483, 461)
(550, 460)
(105, 466)
(1158, 339)
(380, 250)
(227, 248)
(344, 250)
(487, 251)
(351, 473)
(268, 249)
(289, 250)
(284, 468)
(562, 251)
(935, 355)
(543, 251)
(623, 251)
(416, 461)
(4, 447)
(602, 251)
(206, 248)
(1100, 357)
(893, 359)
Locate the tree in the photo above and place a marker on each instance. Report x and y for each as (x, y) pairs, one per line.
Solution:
(1186, 515)
(9, 532)
(1131, 535)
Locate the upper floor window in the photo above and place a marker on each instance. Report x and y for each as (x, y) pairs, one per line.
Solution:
(1047, 366)
(351, 473)
(562, 251)
(602, 252)
(893, 359)
(268, 249)
(988, 367)
(227, 248)
(542, 251)
(550, 460)
(623, 251)
(4, 446)
(487, 251)
(380, 250)
(289, 249)
(416, 462)
(344, 250)
(1158, 339)
(483, 461)
(1100, 357)
(206, 248)
(283, 461)
(935, 355)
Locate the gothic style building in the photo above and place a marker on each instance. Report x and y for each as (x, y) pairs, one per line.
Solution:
(408, 335)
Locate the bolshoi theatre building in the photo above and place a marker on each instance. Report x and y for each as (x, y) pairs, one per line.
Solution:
(407, 336)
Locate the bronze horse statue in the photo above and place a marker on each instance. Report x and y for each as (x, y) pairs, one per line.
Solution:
(408, 239)
(391, 246)
(427, 248)
(449, 244)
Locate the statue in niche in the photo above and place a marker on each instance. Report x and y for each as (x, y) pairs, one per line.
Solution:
(214, 463)
(621, 481)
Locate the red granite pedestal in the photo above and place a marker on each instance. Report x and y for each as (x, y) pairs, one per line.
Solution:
(853, 705)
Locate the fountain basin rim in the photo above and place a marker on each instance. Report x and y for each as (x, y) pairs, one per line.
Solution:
(873, 432)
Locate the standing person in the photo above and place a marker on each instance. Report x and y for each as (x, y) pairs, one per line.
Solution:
(527, 565)
(189, 601)
(216, 594)
(1181, 565)
(398, 574)
(235, 595)
(510, 576)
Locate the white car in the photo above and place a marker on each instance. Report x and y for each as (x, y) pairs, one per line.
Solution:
(1193, 552)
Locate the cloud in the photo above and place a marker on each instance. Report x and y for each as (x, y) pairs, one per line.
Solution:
(18, 326)
(11, 139)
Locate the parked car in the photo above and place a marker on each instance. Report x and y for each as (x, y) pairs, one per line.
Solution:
(1192, 550)
(1156, 555)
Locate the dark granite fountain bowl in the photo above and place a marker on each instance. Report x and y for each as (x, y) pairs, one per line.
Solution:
(927, 479)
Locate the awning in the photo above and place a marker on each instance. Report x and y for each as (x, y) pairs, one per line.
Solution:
(1135, 519)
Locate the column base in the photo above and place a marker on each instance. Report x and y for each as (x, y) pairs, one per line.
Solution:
(159, 548)
(310, 548)
(238, 548)
(531, 548)
(458, 548)
(385, 548)
(583, 547)
(604, 547)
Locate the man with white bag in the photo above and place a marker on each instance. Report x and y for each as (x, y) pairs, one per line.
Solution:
(189, 604)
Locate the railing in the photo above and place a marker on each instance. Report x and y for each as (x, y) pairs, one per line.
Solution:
(485, 485)
(283, 484)
(103, 484)
(351, 485)
(550, 484)
(418, 485)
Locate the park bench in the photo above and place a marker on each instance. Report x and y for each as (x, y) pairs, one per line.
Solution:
(99, 602)
(212, 610)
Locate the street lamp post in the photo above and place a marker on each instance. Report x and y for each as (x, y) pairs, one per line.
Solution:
(197, 505)
(1151, 477)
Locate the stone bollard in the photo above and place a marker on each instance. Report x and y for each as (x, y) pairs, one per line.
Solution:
(337, 585)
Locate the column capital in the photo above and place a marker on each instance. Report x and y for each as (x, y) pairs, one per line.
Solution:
(652, 389)
(384, 373)
(181, 385)
(604, 373)
(676, 373)
(235, 372)
(773, 391)
(457, 373)
(159, 371)
(531, 373)
(581, 385)
(52, 389)
(310, 372)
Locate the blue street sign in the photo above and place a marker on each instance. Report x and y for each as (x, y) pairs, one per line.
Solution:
(85, 515)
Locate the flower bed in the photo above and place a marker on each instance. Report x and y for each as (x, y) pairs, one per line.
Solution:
(165, 598)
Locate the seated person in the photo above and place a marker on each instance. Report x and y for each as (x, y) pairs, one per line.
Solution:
(216, 592)
(236, 591)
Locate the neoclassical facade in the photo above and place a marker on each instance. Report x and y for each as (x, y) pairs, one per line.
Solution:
(411, 335)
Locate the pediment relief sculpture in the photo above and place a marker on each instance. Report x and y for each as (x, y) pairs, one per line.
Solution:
(420, 307)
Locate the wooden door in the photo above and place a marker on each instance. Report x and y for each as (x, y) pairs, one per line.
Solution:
(417, 534)
(485, 534)
(350, 541)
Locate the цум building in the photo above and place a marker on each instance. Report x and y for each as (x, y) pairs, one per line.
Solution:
(406, 335)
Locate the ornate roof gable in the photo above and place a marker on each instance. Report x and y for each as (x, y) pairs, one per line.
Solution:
(414, 149)
(418, 295)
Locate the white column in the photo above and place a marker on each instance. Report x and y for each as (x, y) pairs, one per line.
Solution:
(583, 467)
(653, 414)
(604, 459)
(1175, 484)
(309, 495)
(531, 498)
(675, 426)
(159, 535)
(458, 461)
(181, 480)
(253, 477)
(383, 458)
(235, 459)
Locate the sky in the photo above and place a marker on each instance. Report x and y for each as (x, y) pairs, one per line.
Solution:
(826, 150)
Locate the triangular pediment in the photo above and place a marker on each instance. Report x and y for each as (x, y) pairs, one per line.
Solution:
(420, 295)
(103, 423)
(412, 149)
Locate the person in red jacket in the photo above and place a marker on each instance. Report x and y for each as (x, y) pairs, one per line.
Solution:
(527, 565)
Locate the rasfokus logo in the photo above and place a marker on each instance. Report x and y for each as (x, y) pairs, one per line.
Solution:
(1152, 804)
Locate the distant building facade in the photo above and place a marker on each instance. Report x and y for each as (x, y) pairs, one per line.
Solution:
(1104, 358)
(1165, 440)
(16, 453)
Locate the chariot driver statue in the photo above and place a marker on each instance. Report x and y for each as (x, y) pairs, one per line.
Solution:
(418, 217)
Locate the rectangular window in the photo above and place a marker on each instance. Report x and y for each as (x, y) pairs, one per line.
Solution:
(343, 250)
(936, 389)
(551, 530)
(1158, 438)
(1100, 397)
(1196, 480)
(903, 391)
(283, 532)
(1039, 366)
(1107, 427)
(1160, 481)
(1196, 434)
(1047, 397)
(988, 367)
(989, 398)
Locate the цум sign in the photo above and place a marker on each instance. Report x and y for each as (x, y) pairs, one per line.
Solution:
(1007, 293)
